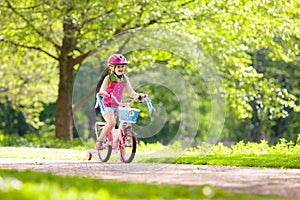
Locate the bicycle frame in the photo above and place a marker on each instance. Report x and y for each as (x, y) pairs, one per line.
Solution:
(121, 123)
(125, 137)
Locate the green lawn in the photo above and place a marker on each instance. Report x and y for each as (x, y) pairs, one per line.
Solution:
(42, 153)
(35, 185)
(23, 185)
(278, 160)
(247, 160)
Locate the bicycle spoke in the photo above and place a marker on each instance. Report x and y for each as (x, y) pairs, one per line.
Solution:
(128, 147)
(104, 154)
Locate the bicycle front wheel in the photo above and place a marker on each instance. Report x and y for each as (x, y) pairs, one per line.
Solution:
(128, 146)
(104, 154)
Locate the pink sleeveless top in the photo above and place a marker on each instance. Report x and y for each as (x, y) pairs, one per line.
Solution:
(117, 89)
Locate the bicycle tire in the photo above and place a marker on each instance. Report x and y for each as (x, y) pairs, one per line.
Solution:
(128, 146)
(105, 153)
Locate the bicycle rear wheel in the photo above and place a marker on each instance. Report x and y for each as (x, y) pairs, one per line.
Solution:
(104, 154)
(128, 146)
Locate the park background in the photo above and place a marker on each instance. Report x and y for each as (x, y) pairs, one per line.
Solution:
(254, 46)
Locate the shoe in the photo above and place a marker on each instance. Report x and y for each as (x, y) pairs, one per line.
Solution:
(99, 145)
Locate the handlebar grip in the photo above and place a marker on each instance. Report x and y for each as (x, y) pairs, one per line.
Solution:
(140, 99)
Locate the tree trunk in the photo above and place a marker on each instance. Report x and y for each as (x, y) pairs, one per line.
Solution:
(63, 115)
(256, 134)
(279, 127)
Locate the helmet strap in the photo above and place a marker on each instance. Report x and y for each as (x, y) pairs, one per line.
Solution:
(119, 76)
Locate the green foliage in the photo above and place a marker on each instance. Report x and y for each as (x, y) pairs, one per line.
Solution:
(34, 140)
(28, 79)
(298, 139)
(283, 147)
(13, 121)
(37, 185)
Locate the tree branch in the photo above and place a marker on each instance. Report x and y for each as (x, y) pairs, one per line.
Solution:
(29, 47)
(186, 3)
(81, 58)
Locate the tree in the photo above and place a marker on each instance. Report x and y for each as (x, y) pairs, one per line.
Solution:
(68, 32)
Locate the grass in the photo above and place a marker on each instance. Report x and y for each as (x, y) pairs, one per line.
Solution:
(36, 185)
(284, 154)
(42, 153)
(23, 185)
(248, 159)
(273, 161)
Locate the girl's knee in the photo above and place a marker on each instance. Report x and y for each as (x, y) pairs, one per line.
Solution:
(111, 124)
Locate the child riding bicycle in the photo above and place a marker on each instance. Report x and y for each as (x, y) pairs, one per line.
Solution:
(114, 83)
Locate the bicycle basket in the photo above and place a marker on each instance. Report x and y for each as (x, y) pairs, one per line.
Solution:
(128, 114)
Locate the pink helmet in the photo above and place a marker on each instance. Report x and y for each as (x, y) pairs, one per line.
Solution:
(117, 59)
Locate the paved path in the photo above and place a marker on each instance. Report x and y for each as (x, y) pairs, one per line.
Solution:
(281, 182)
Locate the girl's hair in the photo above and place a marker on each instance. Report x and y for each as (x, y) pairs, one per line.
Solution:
(103, 75)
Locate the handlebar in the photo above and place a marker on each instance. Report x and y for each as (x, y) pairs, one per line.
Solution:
(140, 98)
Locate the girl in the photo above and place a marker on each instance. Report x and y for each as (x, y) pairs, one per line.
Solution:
(115, 82)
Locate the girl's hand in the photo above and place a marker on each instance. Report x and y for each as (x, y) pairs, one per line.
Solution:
(104, 94)
(142, 95)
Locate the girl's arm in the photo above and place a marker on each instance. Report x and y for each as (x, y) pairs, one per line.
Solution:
(129, 89)
(104, 86)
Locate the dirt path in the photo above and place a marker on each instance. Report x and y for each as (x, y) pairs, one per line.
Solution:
(281, 182)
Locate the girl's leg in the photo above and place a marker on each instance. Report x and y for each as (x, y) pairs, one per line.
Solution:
(110, 124)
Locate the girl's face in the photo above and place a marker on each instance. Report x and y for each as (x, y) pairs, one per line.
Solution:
(119, 69)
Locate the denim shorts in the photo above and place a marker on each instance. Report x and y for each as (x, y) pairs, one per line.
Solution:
(107, 110)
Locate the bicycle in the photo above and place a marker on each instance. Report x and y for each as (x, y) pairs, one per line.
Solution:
(124, 138)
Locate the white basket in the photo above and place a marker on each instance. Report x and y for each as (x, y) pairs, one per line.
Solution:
(128, 114)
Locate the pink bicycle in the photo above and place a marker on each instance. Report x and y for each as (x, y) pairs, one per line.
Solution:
(123, 138)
